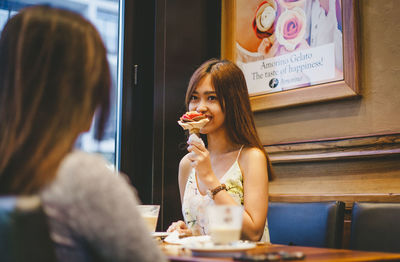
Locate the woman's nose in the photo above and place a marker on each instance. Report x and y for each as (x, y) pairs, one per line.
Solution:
(201, 108)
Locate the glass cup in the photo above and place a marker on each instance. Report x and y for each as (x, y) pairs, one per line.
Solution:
(225, 223)
(150, 215)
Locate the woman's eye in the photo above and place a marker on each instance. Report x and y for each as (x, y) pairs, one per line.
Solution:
(212, 98)
(193, 98)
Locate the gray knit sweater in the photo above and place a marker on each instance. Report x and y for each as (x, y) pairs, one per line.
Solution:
(92, 212)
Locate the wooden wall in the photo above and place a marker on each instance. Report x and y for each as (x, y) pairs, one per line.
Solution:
(345, 150)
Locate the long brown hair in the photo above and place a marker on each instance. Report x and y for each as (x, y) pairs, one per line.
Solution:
(54, 74)
(231, 89)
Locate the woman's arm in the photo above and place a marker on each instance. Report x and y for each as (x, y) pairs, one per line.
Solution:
(255, 186)
(184, 171)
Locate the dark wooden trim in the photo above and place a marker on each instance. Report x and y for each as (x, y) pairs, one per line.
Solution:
(137, 100)
(348, 199)
(334, 149)
(126, 105)
(159, 106)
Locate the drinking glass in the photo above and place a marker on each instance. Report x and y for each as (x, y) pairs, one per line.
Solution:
(150, 215)
(225, 223)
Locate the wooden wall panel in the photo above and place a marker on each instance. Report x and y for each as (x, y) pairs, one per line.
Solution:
(362, 168)
(354, 165)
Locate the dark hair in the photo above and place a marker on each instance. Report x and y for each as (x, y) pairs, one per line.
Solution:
(54, 74)
(231, 89)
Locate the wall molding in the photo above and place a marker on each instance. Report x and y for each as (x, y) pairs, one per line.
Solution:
(348, 199)
(334, 149)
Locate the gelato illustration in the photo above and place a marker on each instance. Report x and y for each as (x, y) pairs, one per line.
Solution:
(264, 21)
(290, 28)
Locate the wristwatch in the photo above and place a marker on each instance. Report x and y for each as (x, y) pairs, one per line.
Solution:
(212, 192)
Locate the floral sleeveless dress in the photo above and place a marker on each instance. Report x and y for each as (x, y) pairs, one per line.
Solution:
(194, 203)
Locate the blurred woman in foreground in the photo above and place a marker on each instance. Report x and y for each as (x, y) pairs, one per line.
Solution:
(54, 77)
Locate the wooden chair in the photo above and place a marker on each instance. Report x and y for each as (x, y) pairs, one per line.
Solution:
(316, 224)
(24, 233)
(375, 227)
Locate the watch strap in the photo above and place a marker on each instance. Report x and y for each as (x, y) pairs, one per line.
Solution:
(216, 190)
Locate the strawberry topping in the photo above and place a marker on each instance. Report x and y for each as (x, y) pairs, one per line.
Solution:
(192, 116)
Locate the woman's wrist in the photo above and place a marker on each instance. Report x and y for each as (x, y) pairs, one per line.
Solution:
(212, 192)
(211, 181)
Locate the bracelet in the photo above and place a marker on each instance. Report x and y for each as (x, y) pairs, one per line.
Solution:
(211, 193)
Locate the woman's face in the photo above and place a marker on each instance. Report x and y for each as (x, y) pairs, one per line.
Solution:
(204, 100)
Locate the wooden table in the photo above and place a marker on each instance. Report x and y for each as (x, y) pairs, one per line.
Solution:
(177, 253)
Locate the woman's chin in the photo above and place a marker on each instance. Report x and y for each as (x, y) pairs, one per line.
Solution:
(203, 131)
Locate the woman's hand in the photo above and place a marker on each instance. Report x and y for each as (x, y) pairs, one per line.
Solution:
(181, 227)
(200, 161)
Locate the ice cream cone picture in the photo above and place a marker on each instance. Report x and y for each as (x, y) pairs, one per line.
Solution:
(193, 121)
(290, 28)
(264, 21)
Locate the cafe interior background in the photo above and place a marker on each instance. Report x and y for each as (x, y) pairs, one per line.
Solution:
(346, 149)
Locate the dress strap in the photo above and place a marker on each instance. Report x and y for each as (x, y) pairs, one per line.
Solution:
(240, 150)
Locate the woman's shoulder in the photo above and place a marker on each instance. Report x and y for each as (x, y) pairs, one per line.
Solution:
(253, 161)
(185, 166)
(81, 159)
(185, 162)
(252, 153)
(252, 156)
(86, 166)
(84, 173)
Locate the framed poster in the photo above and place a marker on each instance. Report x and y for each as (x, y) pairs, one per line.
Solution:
(292, 52)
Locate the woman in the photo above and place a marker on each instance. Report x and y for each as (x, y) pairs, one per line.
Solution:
(54, 76)
(234, 157)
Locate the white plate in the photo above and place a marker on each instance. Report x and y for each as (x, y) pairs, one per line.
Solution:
(174, 238)
(209, 249)
(160, 234)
